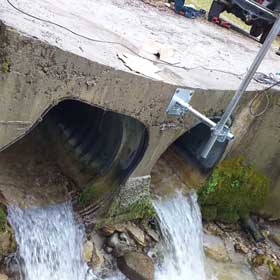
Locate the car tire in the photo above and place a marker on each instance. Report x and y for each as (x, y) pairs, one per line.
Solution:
(256, 31)
(216, 9)
(265, 33)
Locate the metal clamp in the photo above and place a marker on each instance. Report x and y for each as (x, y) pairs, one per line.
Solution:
(178, 105)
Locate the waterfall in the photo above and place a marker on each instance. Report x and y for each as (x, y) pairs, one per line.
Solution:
(182, 247)
(49, 243)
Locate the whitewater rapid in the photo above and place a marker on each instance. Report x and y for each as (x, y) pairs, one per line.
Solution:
(50, 242)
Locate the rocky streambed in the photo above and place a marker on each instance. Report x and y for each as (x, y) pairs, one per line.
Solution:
(230, 253)
(134, 248)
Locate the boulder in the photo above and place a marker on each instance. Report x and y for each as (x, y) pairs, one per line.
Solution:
(275, 237)
(113, 241)
(136, 266)
(108, 230)
(7, 243)
(97, 259)
(153, 234)
(121, 244)
(241, 248)
(136, 233)
(215, 248)
(3, 277)
(87, 251)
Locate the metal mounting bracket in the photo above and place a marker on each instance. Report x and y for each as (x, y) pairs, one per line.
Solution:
(177, 106)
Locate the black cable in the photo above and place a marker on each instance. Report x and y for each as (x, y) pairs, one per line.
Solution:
(257, 96)
(118, 44)
(263, 78)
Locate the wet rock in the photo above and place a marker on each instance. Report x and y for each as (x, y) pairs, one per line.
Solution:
(275, 237)
(10, 266)
(153, 234)
(259, 260)
(136, 233)
(108, 230)
(97, 259)
(214, 248)
(113, 241)
(124, 237)
(108, 250)
(87, 251)
(121, 244)
(241, 248)
(136, 266)
(3, 277)
(213, 229)
(263, 273)
(259, 251)
(7, 243)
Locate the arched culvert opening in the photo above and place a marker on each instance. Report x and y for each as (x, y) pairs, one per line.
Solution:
(181, 165)
(94, 150)
(100, 148)
(190, 146)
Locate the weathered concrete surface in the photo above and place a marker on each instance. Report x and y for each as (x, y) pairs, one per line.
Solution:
(199, 46)
(28, 175)
(259, 142)
(38, 74)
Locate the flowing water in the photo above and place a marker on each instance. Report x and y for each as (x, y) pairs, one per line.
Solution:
(50, 242)
(181, 227)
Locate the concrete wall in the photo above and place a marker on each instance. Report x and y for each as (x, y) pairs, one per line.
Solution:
(39, 76)
(259, 142)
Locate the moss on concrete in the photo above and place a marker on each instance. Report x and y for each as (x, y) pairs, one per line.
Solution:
(5, 64)
(92, 193)
(233, 190)
(3, 220)
(5, 67)
(141, 209)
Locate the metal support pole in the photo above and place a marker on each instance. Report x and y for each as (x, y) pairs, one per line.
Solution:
(243, 86)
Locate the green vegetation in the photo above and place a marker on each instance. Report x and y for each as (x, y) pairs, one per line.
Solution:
(233, 191)
(92, 193)
(274, 268)
(141, 209)
(5, 66)
(3, 220)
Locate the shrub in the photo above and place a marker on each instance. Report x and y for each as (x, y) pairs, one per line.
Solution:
(233, 191)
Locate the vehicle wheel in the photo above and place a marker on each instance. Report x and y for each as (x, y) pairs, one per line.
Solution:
(256, 31)
(216, 9)
(265, 33)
